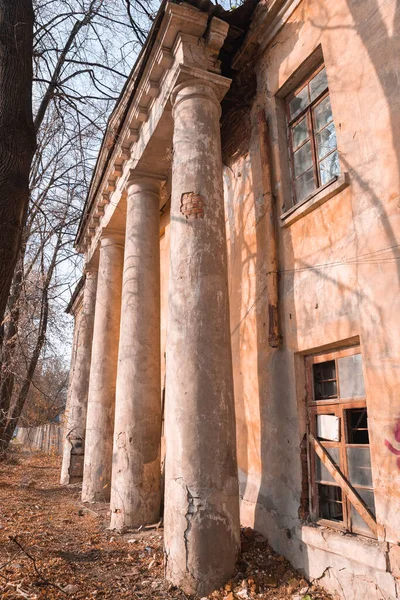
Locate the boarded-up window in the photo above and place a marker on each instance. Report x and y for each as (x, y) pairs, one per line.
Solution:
(338, 420)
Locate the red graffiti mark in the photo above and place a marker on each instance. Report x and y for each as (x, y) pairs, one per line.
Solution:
(390, 446)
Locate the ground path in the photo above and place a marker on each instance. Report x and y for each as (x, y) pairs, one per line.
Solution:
(50, 542)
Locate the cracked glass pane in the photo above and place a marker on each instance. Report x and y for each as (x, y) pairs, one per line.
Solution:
(329, 168)
(299, 102)
(323, 113)
(318, 84)
(300, 133)
(326, 140)
(305, 185)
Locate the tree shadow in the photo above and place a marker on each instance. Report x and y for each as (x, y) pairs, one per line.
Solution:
(363, 256)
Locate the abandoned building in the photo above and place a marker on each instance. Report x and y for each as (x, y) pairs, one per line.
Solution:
(236, 327)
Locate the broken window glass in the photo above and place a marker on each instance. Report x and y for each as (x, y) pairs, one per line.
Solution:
(357, 426)
(339, 427)
(323, 113)
(329, 168)
(326, 140)
(330, 502)
(325, 385)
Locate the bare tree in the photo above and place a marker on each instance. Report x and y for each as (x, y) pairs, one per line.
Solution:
(48, 393)
(78, 67)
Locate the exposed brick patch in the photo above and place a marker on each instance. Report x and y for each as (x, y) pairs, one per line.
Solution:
(192, 205)
(76, 467)
(304, 508)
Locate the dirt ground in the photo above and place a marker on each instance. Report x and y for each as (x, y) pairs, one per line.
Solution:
(52, 546)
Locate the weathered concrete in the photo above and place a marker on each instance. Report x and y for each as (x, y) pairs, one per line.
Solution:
(201, 499)
(74, 423)
(103, 371)
(135, 490)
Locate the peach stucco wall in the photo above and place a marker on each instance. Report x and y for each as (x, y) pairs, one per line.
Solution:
(357, 232)
(339, 265)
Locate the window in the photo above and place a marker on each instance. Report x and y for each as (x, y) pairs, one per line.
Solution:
(312, 136)
(338, 420)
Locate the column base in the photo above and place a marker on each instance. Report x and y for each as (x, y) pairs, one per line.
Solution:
(73, 458)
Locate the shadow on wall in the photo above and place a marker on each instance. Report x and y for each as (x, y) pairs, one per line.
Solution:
(353, 290)
(383, 50)
(262, 384)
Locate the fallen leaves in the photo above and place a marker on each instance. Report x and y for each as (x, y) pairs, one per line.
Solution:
(68, 552)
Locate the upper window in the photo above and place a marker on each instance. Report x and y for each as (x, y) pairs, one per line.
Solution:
(312, 136)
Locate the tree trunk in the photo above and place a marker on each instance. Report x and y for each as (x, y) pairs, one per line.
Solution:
(17, 134)
(7, 373)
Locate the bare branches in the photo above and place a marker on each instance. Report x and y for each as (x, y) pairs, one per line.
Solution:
(60, 63)
(38, 573)
(65, 39)
(82, 52)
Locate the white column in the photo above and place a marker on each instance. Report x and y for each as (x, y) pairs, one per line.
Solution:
(202, 532)
(136, 476)
(103, 372)
(76, 410)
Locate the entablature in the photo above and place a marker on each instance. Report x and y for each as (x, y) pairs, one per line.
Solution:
(187, 46)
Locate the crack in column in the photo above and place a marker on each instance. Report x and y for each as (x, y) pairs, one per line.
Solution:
(189, 512)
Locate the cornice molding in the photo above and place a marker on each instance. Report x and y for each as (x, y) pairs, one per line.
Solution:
(76, 299)
(186, 44)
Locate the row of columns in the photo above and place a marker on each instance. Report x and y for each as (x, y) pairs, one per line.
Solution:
(76, 411)
(123, 426)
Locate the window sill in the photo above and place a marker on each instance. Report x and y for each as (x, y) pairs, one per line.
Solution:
(352, 547)
(314, 200)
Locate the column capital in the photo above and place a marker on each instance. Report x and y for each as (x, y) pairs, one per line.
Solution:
(193, 82)
(140, 181)
(90, 268)
(112, 237)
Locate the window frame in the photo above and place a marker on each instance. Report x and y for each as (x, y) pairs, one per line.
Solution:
(307, 113)
(338, 407)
